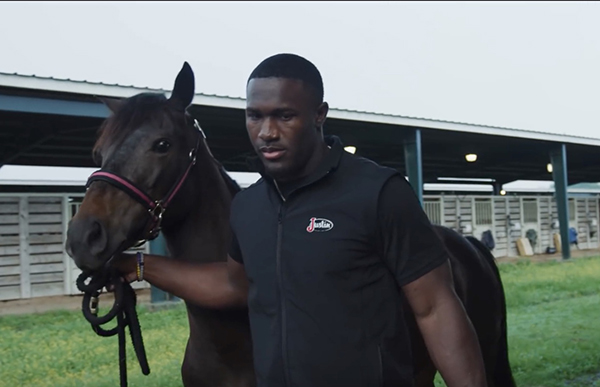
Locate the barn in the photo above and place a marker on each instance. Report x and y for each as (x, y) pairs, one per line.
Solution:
(472, 178)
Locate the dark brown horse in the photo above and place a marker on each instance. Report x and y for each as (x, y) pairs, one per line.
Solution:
(478, 284)
(150, 141)
(148, 144)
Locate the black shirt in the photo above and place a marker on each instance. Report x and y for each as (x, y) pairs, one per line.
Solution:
(405, 239)
(325, 263)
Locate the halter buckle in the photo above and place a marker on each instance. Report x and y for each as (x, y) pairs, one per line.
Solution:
(158, 210)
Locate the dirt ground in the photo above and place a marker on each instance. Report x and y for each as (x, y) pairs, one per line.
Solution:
(44, 304)
(575, 253)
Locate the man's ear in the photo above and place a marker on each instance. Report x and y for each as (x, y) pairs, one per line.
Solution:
(322, 111)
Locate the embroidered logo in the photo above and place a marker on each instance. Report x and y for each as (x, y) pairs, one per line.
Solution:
(319, 225)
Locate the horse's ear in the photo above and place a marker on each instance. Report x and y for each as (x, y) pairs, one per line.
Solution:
(183, 91)
(114, 104)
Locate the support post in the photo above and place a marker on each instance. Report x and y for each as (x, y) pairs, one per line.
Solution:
(158, 246)
(413, 162)
(558, 158)
(497, 188)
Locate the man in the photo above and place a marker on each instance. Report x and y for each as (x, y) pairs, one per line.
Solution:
(323, 246)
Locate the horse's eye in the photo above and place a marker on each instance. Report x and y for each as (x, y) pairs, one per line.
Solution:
(161, 146)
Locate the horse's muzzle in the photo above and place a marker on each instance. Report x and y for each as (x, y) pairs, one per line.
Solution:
(87, 242)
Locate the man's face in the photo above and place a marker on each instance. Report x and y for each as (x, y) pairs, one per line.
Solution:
(283, 119)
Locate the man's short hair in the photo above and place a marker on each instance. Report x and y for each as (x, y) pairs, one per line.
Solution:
(290, 66)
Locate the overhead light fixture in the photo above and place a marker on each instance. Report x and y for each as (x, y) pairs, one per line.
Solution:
(502, 192)
(471, 157)
(350, 149)
(549, 167)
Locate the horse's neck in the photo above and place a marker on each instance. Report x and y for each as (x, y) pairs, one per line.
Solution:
(202, 234)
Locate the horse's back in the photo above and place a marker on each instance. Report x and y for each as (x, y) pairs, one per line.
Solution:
(476, 277)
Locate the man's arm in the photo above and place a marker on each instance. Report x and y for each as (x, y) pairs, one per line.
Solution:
(448, 333)
(216, 285)
(418, 259)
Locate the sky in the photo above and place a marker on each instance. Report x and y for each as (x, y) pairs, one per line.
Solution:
(524, 65)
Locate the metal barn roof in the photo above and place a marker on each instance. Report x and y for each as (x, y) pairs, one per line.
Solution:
(53, 122)
(34, 82)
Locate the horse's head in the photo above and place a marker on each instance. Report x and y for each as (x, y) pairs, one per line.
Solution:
(145, 149)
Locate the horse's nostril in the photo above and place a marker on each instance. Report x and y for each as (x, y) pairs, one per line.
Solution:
(87, 241)
(94, 233)
(96, 238)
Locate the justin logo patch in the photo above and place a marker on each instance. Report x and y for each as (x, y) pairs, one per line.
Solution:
(319, 225)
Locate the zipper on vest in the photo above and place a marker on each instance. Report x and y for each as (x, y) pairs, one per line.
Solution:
(380, 365)
(280, 195)
(286, 369)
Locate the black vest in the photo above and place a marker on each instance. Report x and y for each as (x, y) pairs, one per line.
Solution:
(324, 308)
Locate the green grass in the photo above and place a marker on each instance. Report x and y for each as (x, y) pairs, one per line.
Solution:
(553, 319)
(528, 284)
(60, 349)
(553, 325)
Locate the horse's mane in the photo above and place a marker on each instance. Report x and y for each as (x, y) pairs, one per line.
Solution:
(233, 186)
(132, 113)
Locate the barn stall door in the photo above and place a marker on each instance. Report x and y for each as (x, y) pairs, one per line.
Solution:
(31, 248)
(483, 219)
(592, 211)
(433, 209)
(573, 216)
(531, 224)
(10, 263)
(45, 248)
(573, 213)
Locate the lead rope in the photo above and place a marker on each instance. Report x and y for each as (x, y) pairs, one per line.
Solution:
(123, 309)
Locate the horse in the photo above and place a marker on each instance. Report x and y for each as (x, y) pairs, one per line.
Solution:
(145, 143)
(150, 147)
(478, 285)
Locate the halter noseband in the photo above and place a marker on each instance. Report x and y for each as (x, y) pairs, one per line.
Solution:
(155, 208)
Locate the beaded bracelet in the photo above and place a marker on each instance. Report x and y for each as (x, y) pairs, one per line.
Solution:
(140, 266)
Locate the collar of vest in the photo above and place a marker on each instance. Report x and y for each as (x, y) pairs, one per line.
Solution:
(329, 164)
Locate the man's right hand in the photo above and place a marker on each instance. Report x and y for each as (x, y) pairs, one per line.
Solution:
(218, 285)
(127, 265)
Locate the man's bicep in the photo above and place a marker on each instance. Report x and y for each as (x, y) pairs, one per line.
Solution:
(408, 241)
(430, 289)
